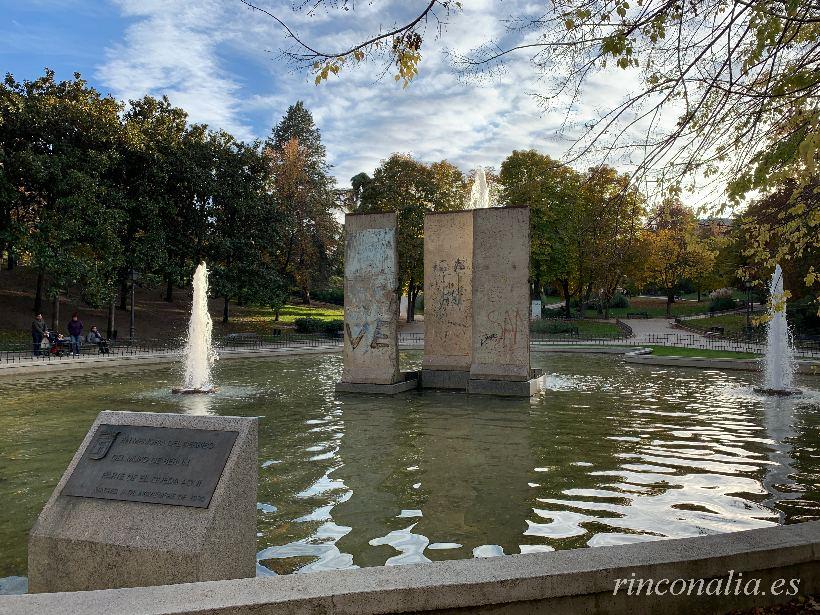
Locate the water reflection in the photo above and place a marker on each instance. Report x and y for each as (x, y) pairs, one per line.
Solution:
(609, 454)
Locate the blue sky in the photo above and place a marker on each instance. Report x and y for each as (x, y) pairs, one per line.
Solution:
(220, 62)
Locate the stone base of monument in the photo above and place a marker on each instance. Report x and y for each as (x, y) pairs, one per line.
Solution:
(444, 379)
(508, 388)
(150, 499)
(408, 382)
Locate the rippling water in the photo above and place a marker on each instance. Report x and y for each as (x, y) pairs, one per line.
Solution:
(609, 454)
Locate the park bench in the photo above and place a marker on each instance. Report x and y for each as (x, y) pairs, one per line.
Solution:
(637, 315)
(241, 339)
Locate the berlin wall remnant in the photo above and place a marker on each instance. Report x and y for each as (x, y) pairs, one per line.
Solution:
(371, 350)
(501, 300)
(448, 291)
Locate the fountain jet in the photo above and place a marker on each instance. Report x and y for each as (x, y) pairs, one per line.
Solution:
(480, 192)
(779, 364)
(199, 354)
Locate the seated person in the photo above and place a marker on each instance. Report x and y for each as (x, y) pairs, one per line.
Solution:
(94, 337)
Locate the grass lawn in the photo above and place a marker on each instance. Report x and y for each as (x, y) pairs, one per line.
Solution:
(261, 320)
(733, 324)
(586, 328)
(656, 308)
(672, 351)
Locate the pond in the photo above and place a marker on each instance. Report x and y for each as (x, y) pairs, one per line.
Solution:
(610, 453)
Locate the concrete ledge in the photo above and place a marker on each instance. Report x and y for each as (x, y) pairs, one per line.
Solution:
(155, 358)
(444, 379)
(547, 348)
(561, 582)
(507, 388)
(410, 382)
(803, 367)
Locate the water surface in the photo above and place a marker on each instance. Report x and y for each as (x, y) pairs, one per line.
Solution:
(610, 453)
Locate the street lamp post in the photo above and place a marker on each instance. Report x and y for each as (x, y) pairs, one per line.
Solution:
(134, 277)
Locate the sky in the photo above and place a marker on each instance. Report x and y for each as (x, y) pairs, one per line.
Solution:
(222, 63)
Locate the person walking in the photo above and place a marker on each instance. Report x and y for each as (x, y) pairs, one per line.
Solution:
(75, 332)
(38, 331)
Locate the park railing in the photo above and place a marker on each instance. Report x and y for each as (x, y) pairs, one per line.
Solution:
(807, 349)
(21, 352)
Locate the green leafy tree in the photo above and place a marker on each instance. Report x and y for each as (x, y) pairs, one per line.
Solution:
(60, 150)
(238, 245)
(551, 190)
(303, 189)
(412, 189)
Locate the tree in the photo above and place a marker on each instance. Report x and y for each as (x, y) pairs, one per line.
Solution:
(153, 201)
(412, 189)
(674, 253)
(618, 208)
(243, 219)
(551, 190)
(584, 227)
(741, 78)
(303, 190)
(60, 147)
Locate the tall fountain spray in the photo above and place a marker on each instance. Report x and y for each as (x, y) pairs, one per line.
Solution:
(199, 354)
(779, 363)
(480, 192)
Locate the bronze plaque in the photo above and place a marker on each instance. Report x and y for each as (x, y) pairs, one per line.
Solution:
(160, 465)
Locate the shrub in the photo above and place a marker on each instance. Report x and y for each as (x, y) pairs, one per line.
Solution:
(308, 325)
(719, 304)
(336, 296)
(619, 300)
(553, 327)
(333, 327)
(317, 325)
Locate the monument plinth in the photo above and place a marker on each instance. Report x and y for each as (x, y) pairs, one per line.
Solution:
(151, 499)
(448, 299)
(371, 311)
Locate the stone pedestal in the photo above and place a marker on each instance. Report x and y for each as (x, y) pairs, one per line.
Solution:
(150, 499)
(501, 302)
(448, 299)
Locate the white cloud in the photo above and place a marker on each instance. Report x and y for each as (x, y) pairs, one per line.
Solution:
(184, 50)
(171, 49)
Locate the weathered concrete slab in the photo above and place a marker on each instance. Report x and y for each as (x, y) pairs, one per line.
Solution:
(562, 582)
(84, 543)
(371, 349)
(409, 381)
(448, 291)
(501, 297)
(444, 379)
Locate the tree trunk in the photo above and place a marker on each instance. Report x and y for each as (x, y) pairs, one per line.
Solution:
(670, 299)
(225, 310)
(305, 295)
(123, 294)
(412, 294)
(38, 297)
(11, 261)
(565, 288)
(55, 312)
(169, 290)
(698, 293)
(276, 316)
(109, 329)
